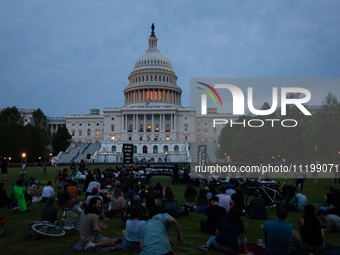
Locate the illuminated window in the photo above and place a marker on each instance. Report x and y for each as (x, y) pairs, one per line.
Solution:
(148, 137)
(151, 95)
(185, 127)
(167, 127)
(160, 95)
(146, 95)
(97, 133)
(155, 95)
(149, 126)
(214, 131)
(198, 132)
(167, 138)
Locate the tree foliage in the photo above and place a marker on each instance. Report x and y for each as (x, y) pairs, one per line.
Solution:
(60, 140)
(315, 137)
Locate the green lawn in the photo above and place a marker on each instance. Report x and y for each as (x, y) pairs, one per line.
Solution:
(13, 242)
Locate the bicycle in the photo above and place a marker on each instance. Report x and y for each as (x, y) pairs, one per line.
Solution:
(69, 221)
(2, 221)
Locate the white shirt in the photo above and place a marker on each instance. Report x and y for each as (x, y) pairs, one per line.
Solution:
(224, 201)
(48, 191)
(148, 170)
(92, 185)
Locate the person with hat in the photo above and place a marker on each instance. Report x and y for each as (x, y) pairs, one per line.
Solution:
(95, 194)
(91, 185)
(230, 191)
(214, 214)
(137, 204)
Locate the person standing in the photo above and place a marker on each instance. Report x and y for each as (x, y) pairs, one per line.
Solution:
(175, 174)
(44, 167)
(4, 165)
(73, 169)
(148, 172)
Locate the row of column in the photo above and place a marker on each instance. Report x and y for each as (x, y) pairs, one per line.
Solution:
(159, 95)
(161, 122)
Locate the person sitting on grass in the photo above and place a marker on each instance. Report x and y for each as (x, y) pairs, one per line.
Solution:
(150, 199)
(259, 208)
(73, 191)
(49, 211)
(299, 201)
(159, 189)
(90, 229)
(227, 233)
(47, 192)
(225, 200)
(155, 233)
(238, 199)
(214, 214)
(201, 201)
(95, 194)
(310, 235)
(92, 184)
(332, 221)
(278, 234)
(169, 203)
(137, 204)
(5, 202)
(64, 198)
(20, 191)
(35, 189)
(190, 194)
(133, 230)
(117, 204)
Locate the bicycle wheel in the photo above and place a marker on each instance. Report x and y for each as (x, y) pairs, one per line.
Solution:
(48, 229)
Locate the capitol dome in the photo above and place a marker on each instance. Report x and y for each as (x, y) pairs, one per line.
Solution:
(152, 79)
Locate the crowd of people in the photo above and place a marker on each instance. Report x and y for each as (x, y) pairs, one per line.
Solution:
(147, 221)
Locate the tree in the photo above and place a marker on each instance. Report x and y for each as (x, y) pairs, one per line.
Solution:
(60, 140)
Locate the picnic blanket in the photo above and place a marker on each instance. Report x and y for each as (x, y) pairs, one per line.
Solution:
(79, 247)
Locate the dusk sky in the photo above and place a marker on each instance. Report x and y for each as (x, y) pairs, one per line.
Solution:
(67, 57)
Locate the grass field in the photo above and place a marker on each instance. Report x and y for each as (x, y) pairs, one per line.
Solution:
(13, 242)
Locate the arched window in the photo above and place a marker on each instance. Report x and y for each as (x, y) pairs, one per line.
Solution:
(141, 128)
(134, 149)
(165, 148)
(89, 132)
(145, 149)
(113, 148)
(176, 148)
(142, 78)
(215, 131)
(152, 160)
(157, 127)
(155, 149)
(167, 127)
(186, 127)
(159, 159)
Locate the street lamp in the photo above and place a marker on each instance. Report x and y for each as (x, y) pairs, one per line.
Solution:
(105, 157)
(23, 157)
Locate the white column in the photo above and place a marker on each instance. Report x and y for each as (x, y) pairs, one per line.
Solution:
(148, 94)
(153, 96)
(163, 122)
(144, 126)
(171, 123)
(152, 123)
(175, 122)
(126, 117)
(52, 129)
(133, 123)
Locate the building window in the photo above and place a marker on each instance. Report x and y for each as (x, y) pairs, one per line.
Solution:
(97, 124)
(149, 118)
(163, 79)
(167, 118)
(186, 127)
(198, 132)
(89, 132)
(155, 149)
(145, 149)
(129, 137)
(167, 138)
(205, 123)
(113, 148)
(113, 118)
(147, 77)
(89, 124)
(80, 124)
(151, 76)
(155, 78)
(97, 133)
(185, 138)
(205, 132)
(73, 124)
(149, 138)
(143, 79)
(165, 148)
(198, 123)
(73, 133)
(185, 118)
(176, 148)
(141, 128)
(80, 133)
(25, 120)
(157, 127)
(134, 149)
(112, 128)
(167, 127)
(130, 128)
(214, 131)
(141, 138)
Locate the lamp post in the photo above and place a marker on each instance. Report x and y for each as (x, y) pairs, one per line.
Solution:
(105, 157)
(22, 159)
